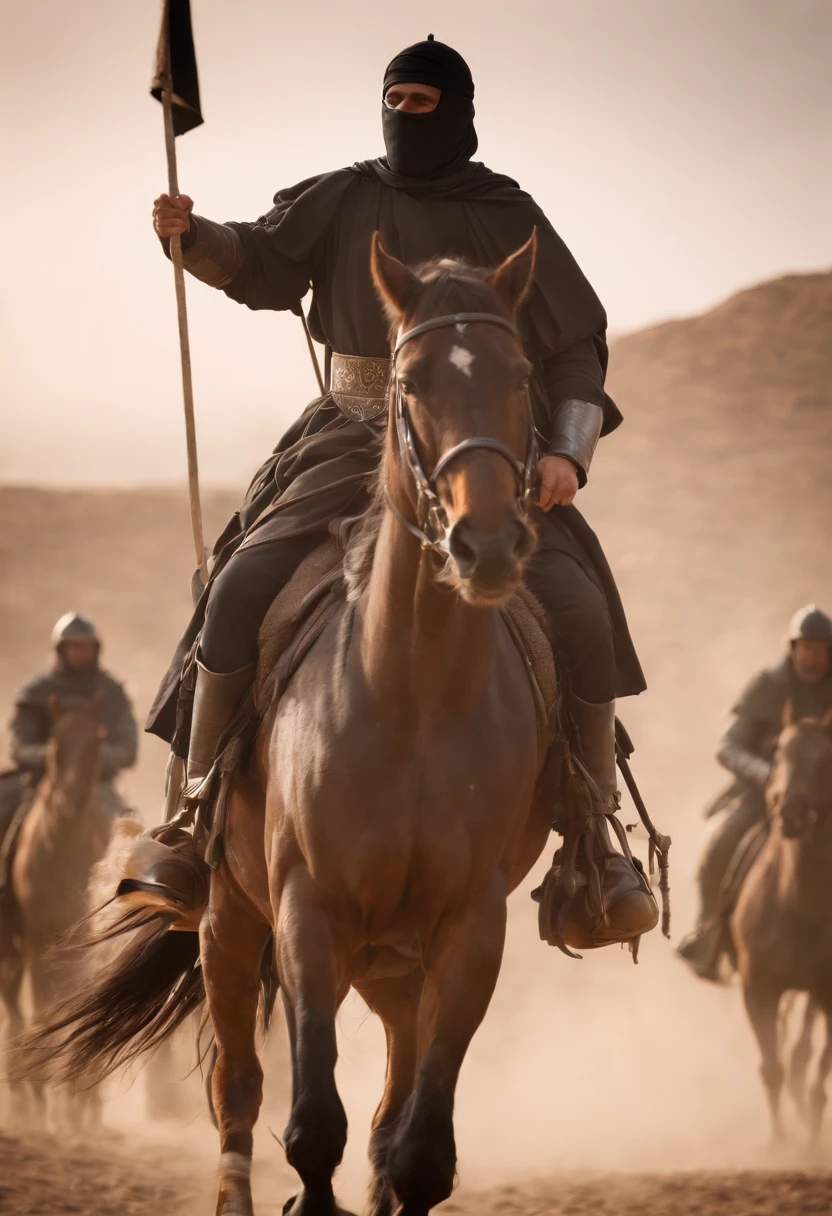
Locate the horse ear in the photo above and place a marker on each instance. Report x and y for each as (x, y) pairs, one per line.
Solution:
(98, 703)
(788, 714)
(397, 286)
(513, 278)
(56, 706)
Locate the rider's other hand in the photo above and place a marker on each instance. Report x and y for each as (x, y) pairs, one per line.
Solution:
(558, 481)
(171, 214)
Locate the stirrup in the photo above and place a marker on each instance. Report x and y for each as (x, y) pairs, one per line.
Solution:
(593, 896)
(611, 903)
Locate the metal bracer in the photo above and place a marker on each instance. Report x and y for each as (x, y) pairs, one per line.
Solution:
(211, 252)
(576, 428)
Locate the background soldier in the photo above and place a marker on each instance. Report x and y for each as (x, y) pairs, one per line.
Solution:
(803, 678)
(76, 678)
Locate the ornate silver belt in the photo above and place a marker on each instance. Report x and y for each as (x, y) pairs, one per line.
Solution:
(359, 386)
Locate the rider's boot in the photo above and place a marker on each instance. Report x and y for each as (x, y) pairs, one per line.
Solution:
(596, 895)
(8, 843)
(704, 947)
(217, 697)
(7, 848)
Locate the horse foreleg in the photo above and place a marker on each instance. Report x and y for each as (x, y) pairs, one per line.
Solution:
(232, 942)
(312, 968)
(762, 1003)
(460, 975)
(800, 1055)
(817, 1097)
(45, 1101)
(11, 981)
(396, 1002)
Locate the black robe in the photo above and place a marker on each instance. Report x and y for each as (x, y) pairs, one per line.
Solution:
(319, 233)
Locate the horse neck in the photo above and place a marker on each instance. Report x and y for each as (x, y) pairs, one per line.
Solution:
(805, 869)
(424, 649)
(70, 802)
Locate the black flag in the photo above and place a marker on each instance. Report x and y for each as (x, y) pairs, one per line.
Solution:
(176, 48)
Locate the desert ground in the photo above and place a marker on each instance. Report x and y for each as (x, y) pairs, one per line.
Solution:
(593, 1086)
(117, 1178)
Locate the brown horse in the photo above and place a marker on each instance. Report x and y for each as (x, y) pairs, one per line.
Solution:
(402, 765)
(403, 770)
(64, 834)
(782, 925)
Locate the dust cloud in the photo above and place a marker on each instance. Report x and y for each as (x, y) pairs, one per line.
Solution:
(713, 503)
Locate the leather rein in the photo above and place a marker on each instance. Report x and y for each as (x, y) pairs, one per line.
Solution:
(432, 528)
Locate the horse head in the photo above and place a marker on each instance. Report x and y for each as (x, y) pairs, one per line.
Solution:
(74, 746)
(461, 450)
(800, 790)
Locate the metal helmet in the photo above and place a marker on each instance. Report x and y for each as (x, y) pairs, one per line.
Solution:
(811, 624)
(72, 627)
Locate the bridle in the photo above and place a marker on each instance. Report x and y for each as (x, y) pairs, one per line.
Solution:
(432, 526)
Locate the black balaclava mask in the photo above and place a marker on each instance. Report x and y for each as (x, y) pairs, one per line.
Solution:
(444, 139)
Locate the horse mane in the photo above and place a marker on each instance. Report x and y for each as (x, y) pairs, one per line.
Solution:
(451, 286)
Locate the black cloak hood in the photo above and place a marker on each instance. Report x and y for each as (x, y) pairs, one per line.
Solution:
(441, 142)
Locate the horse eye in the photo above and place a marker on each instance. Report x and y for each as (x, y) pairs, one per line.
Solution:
(408, 387)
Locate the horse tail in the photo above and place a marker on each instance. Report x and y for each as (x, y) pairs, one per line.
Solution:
(142, 978)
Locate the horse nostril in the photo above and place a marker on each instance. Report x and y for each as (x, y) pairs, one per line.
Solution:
(524, 540)
(489, 557)
(462, 552)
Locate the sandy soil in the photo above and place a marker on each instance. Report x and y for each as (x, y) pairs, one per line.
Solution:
(676, 1194)
(713, 503)
(42, 1176)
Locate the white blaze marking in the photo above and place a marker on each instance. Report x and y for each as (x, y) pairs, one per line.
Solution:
(462, 359)
(235, 1166)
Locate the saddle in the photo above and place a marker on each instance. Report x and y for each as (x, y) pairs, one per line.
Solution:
(296, 619)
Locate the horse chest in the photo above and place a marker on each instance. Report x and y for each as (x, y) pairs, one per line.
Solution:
(463, 759)
(427, 804)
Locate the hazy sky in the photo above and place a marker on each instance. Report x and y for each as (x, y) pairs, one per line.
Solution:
(681, 147)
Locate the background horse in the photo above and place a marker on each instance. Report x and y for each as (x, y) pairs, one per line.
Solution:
(63, 836)
(403, 793)
(782, 925)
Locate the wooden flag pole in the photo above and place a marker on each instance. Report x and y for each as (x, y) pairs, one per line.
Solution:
(184, 343)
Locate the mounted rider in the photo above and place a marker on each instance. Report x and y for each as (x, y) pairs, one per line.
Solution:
(803, 680)
(428, 199)
(76, 678)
